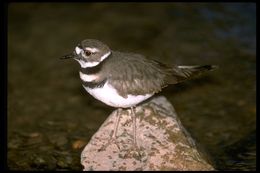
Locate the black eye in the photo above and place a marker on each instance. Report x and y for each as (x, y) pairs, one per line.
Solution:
(87, 52)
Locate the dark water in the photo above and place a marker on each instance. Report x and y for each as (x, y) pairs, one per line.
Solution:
(51, 117)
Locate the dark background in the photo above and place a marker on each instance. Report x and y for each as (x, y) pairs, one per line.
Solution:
(51, 117)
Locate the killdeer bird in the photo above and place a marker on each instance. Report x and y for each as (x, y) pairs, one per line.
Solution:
(123, 80)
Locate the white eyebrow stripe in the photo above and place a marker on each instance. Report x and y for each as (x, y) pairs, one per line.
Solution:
(92, 49)
(105, 56)
(78, 50)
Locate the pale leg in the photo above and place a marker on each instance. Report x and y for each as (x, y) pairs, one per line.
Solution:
(117, 122)
(134, 125)
(114, 133)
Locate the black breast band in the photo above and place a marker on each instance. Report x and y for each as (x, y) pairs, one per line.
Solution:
(94, 84)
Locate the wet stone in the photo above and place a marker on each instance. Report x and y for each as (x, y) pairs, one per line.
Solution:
(64, 162)
(58, 139)
(78, 144)
(34, 139)
(14, 143)
(39, 162)
(34, 135)
(42, 161)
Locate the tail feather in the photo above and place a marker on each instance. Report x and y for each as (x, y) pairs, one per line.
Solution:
(182, 73)
(206, 67)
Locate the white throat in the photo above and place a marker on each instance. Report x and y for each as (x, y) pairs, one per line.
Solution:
(84, 64)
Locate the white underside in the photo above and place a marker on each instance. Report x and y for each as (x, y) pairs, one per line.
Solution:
(108, 95)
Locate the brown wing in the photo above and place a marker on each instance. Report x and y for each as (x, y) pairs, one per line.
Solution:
(134, 74)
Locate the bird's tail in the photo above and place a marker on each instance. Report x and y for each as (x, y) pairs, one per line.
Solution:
(181, 73)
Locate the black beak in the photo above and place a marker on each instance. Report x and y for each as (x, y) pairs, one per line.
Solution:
(71, 55)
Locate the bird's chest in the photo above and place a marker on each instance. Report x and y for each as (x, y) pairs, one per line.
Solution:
(108, 95)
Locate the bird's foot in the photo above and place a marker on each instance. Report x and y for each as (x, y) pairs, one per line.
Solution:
(137, 152)
(111, 141)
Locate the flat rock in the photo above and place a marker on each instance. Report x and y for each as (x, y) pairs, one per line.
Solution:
(162, 142)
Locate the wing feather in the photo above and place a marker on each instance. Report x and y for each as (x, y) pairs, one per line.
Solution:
(134, 74)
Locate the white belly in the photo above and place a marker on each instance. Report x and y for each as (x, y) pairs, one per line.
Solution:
(108, 95)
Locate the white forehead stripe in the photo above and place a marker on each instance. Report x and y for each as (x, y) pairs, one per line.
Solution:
(92, 49)
(87, 78)
(78, 50)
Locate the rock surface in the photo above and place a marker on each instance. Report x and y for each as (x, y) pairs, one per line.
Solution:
(163, 143)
